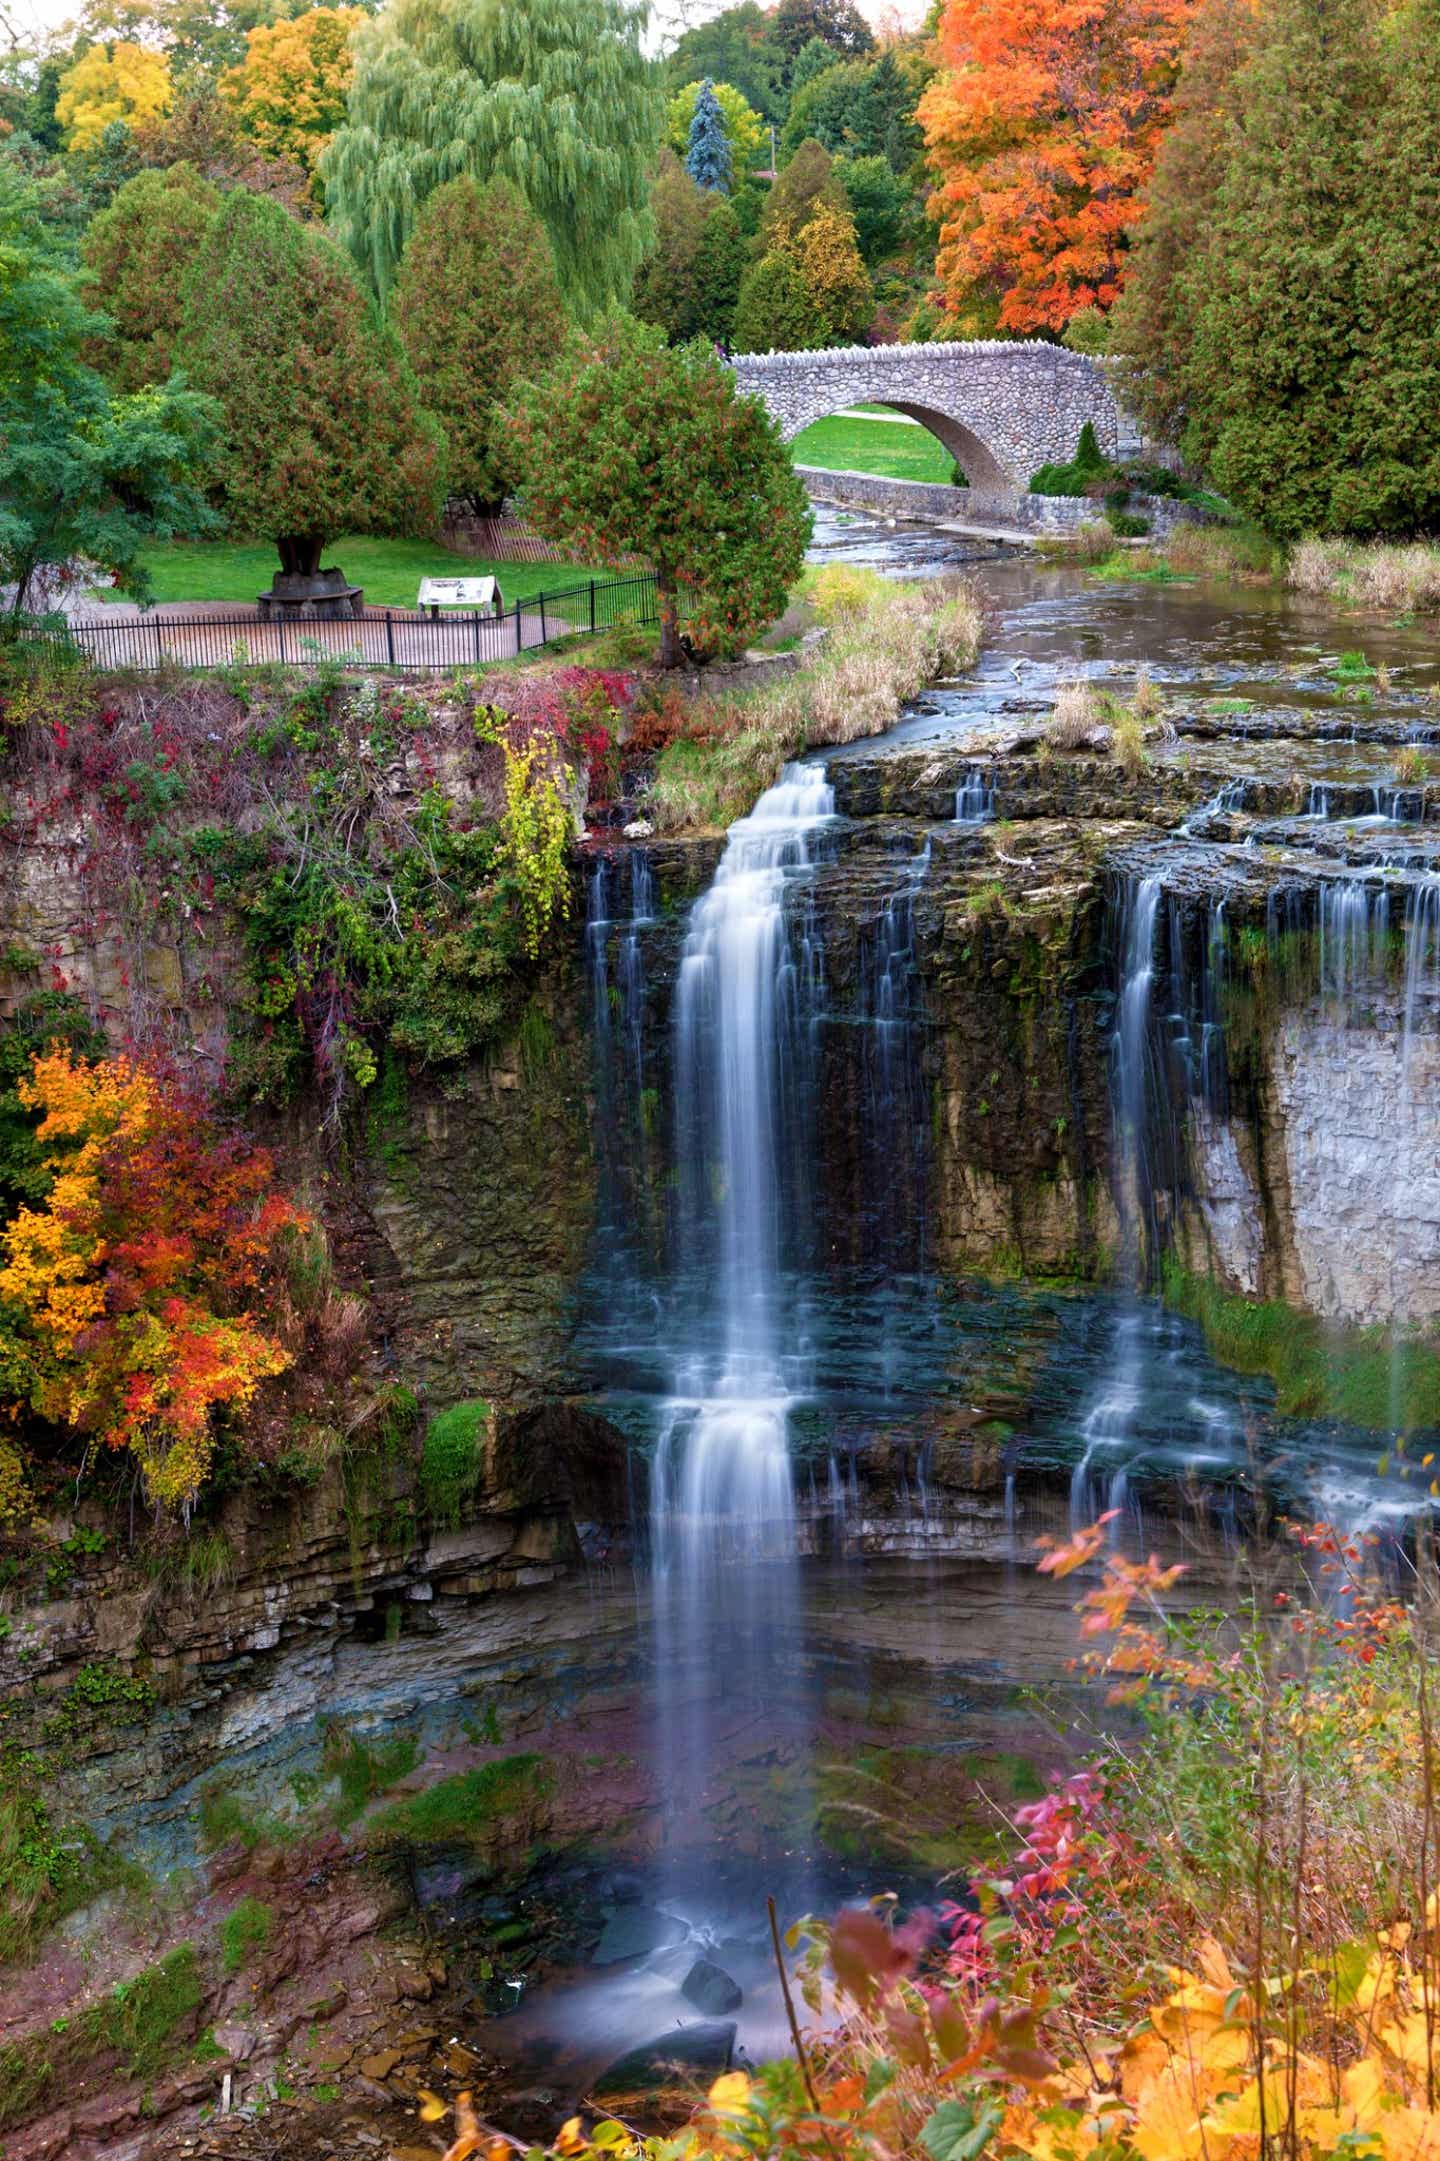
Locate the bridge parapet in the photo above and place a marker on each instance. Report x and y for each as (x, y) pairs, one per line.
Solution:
(1002, 409)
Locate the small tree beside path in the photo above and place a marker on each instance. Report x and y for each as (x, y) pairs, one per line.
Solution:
(629, 447)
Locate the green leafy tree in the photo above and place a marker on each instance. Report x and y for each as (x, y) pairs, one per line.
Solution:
(89, 477)
(322, 433)
(880, 204)
(477, 304)
(555, 96)
(813, 59)
(632, 447)
(137, 253)
(720, 263)
(734, 47)
(820, 112)
(1279, 331)
(667, 291)
(807, 182)
(860, 109)
(837, 23)
(707, 152)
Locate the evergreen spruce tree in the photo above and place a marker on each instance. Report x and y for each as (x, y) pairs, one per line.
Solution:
(1278, 333)
(707, 155)
(477, 306)
(556, 96)
(1391, 483)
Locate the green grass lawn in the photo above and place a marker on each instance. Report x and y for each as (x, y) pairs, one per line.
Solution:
(389, 570)
(873, 446)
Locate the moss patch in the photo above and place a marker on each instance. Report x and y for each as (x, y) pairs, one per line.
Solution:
(245, 1930)
(466, 1809)
(452, 1458)
(145, 2023)
(920, 1806)
(1361, 1375)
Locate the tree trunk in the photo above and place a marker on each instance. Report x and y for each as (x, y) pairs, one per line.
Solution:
(300, 553)
(672, 652)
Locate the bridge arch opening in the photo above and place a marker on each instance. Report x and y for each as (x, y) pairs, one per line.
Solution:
(984, 474)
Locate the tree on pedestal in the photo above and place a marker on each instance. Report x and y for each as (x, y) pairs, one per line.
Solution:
(322, 431)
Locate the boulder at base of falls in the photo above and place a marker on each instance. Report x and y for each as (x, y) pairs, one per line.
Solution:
(705, 2048)
(710, 1988)
(632, 1931)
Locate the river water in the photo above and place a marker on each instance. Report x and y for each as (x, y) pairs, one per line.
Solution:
(826, 1642)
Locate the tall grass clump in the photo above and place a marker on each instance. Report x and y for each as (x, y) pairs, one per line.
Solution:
(1077, 720)
(1394, 578)
(883, 643)
(1241, 552)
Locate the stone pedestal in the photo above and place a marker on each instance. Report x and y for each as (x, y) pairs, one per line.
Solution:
(320, 596)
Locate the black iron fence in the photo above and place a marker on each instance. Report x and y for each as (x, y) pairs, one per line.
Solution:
(381, 638)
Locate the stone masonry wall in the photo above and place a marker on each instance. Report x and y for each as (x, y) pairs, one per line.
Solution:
(927, 499)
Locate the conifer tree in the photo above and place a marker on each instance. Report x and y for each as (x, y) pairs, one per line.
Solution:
(555, 96)
(477, 305)
(632, 448)
(774, 311)
(1391, 480)
(1278, 333)
(707, 154)
(806, 182)
(321, 430)
(720, 262)
(666, 288)
(137, 252)
(1153, 322)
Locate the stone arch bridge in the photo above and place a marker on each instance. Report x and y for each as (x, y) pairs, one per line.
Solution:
(1001, 410)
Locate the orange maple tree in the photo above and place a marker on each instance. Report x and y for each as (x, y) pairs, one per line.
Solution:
(124, 1295)
(1042, 125)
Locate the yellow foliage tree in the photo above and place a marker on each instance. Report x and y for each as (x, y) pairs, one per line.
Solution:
(749, 137)
(289, 92)
(120, 81)
(123, 1295)
(836, 279)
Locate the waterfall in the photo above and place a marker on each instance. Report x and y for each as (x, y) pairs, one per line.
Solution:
(1354, 922)
(1422, 965)
(1108, 1423)
(722, 1505)
(974, 798)
(1130, 1067)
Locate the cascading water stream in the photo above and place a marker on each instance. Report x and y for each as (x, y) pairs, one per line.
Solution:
(722, 1505)
(1108, 1422)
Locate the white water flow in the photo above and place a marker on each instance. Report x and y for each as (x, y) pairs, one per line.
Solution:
(1108, 1422)
(722, 1507)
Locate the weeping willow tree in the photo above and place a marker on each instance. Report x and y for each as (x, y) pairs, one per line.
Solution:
(553, 95)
